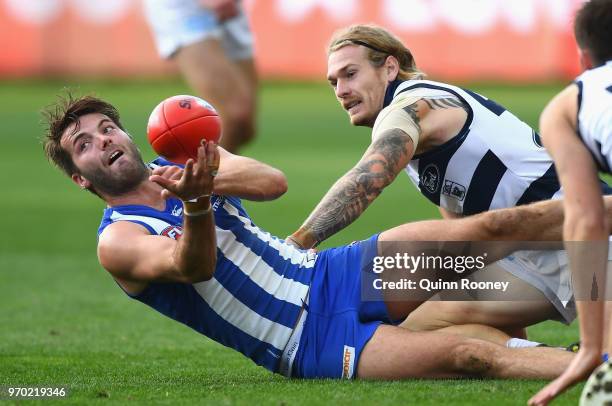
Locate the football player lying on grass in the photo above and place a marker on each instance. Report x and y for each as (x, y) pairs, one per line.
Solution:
(180, 241)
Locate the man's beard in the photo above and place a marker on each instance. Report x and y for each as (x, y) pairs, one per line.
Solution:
(118, 183)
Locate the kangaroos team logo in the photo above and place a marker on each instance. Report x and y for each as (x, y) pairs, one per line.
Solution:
(430, 178)
(174, 232)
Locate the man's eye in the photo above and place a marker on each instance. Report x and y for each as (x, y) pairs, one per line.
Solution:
(351, 73)
(108, 129)
(83, 145)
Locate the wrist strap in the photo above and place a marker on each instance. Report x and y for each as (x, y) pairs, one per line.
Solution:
(198, 212)
(195, 199)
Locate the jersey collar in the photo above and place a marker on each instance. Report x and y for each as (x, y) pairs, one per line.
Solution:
(390, 92)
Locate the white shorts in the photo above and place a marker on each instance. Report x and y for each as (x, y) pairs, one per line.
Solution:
(547, 271)
(178, 23)
(529, 276)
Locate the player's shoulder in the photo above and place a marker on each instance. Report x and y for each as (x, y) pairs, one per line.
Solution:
(120, 233)
(423, 87)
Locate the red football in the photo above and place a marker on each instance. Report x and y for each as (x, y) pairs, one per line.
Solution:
(178, 124)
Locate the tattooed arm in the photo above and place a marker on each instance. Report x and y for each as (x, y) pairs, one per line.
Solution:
(353, 193)
(396, 133)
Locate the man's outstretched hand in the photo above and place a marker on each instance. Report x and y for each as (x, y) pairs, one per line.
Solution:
(195, 180)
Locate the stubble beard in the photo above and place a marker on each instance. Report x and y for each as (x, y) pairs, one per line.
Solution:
(118, 183)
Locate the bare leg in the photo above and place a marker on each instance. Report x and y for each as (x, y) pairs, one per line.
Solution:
(395, 353)
(521, 305)
(509, 317)
(230, 86)
(478, 331)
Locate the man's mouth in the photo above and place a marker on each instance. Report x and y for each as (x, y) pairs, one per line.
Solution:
(114, 156)
(349, 106)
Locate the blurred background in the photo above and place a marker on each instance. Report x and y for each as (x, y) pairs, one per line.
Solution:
(62, 319)
(521, 40)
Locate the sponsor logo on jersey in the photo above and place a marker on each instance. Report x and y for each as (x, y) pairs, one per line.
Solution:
(177, 211)
(217, 202)
(453, 189)
(430, 178)
(174, 232)
(348, 362)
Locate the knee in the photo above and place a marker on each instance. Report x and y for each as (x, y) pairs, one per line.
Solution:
(239, 114)
(475, 358)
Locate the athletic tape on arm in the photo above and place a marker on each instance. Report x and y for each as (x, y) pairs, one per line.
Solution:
(394, 116)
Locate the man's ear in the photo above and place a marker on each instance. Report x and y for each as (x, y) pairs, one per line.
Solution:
(80, 181)
(586, 60)
(391, 68)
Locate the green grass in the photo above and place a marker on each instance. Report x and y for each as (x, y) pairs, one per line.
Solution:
(63, 321)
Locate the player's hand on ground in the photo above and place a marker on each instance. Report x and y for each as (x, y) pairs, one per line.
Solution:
(223, 9)
(195, 180)
(578, 370)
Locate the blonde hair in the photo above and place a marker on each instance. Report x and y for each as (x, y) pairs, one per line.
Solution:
(380, 43)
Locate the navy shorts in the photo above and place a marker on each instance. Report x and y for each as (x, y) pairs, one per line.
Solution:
(339, 324)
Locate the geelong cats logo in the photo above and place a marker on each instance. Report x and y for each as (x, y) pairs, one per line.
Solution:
(430, 178)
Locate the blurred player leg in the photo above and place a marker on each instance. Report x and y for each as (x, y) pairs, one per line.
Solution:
(229, 86)
(395, 353)
(216, 59)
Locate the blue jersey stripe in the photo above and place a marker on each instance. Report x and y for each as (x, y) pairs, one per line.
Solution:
(182, 302)
(485, 180)
(253, 296)
(542, 188)
(270, 255)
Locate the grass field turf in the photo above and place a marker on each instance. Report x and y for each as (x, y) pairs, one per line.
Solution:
(64, 322)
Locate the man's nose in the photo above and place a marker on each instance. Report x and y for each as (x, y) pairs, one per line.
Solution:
(104, 142)
(342, 90)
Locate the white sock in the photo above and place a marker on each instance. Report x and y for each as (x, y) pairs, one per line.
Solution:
(521, 343)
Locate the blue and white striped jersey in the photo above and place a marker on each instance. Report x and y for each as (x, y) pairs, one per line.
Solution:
(495, 161)
(254, 299)
(595, 113)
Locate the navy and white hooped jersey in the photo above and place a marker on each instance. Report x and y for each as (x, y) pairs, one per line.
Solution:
(595, 113)
(495, 161)
(255, 297)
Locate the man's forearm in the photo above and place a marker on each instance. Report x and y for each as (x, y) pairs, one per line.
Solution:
(345, 201)
(196, 251)
(249, 179)
(353, 193)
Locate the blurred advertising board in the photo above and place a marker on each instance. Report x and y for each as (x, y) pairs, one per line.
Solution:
(519, 40)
